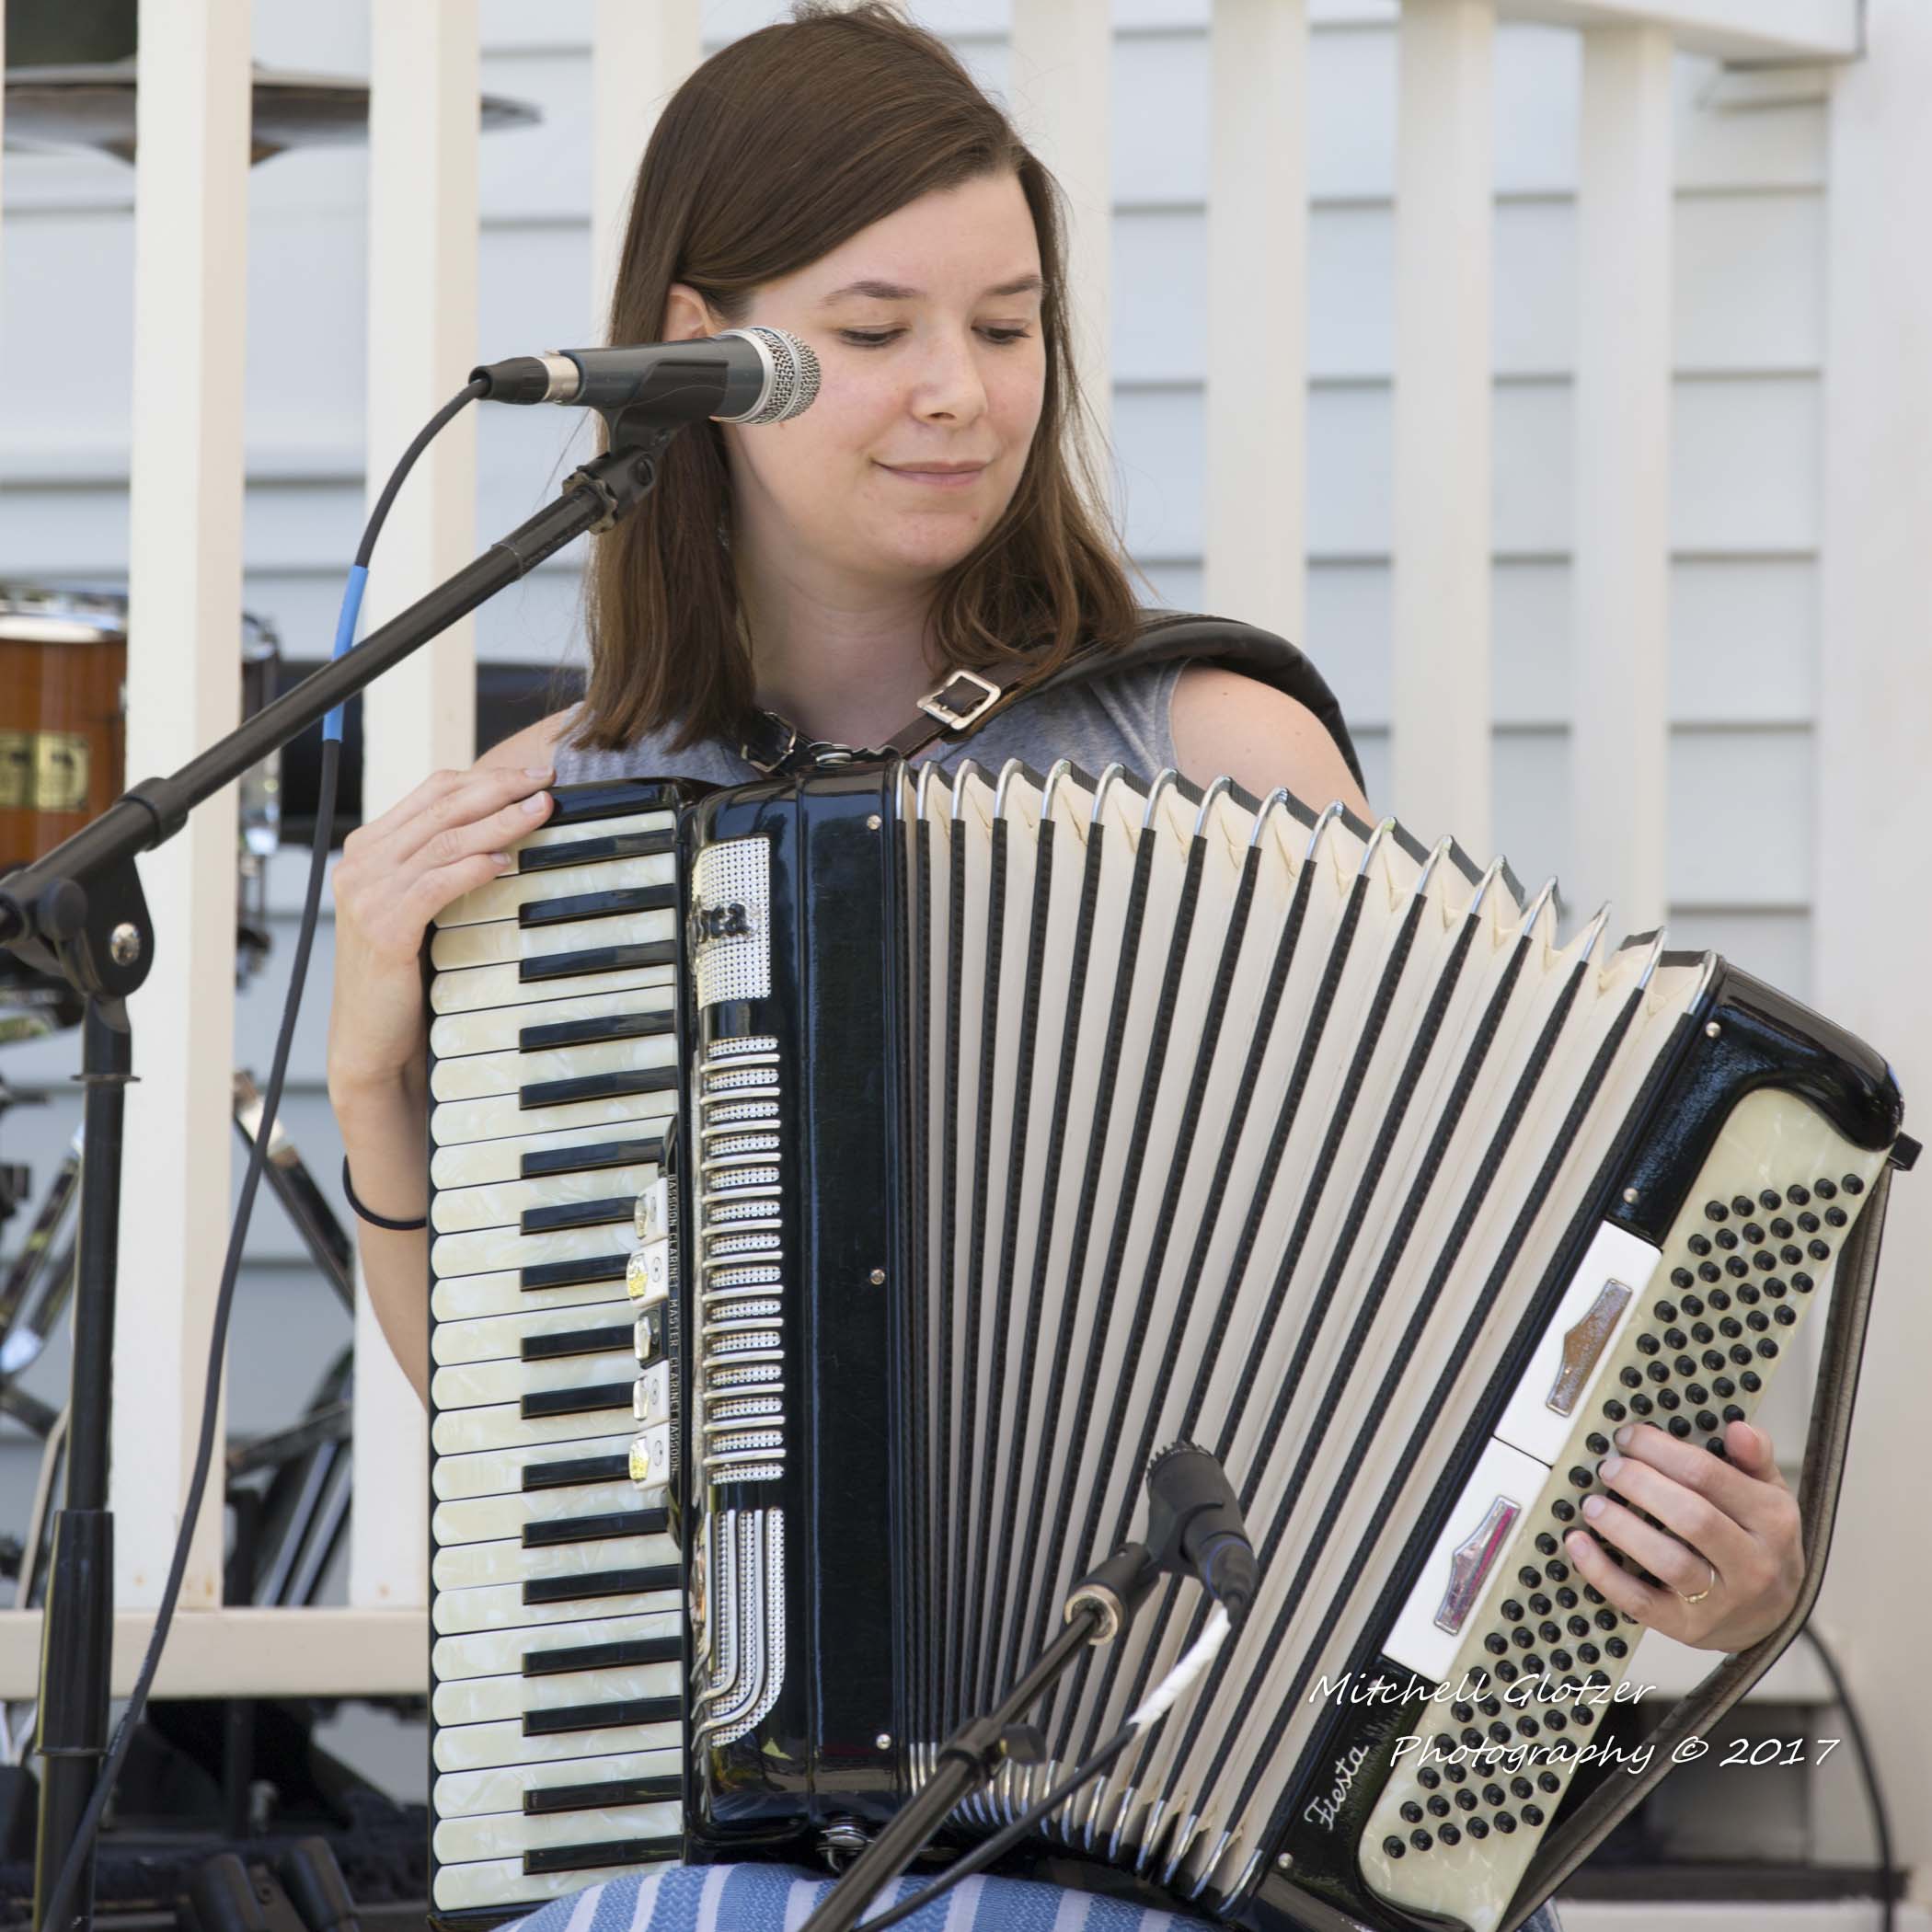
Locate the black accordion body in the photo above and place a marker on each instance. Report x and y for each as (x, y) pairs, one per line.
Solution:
(841, 1186)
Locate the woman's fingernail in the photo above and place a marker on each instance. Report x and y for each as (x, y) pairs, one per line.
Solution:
(504, 863)
(1593, 1506)
(1622, 1437)
(1609, 1467)
(539, 771)
(535, 803)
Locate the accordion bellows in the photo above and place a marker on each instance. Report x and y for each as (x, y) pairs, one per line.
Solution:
(1027, 1124)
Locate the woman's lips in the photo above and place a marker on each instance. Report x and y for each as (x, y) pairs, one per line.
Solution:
(938, 479)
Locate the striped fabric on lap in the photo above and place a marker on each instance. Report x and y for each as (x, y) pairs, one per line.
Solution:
(780, 1898)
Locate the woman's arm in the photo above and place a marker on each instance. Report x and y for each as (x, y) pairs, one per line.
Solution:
(1228, 725)
(396, 874)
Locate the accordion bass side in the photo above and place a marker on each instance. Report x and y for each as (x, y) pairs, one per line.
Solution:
(797, 1351)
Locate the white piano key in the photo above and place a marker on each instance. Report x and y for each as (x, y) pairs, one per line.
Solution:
(468, 1297)
(493, 1162)
(501, 986)
(499, 941)
(471, 1384)
(472, 1566)
(501, 1606)
(507, 1835)
(479, 1074)
(473, 1794)
(461, 1210)
(490, 1882)
(455, 1478)
(500, 1653)
(503, 898)
(478, 1747)
(484, 1700)
(489, 1519)
(501, 1337)
(496, 1030)
(501, 1426)
(491, 1248)
(493, 1118)
(465, 909)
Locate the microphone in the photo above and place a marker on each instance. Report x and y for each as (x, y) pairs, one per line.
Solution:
(751, 374)
(1194, 1524)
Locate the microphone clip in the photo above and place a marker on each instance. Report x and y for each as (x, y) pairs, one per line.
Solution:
(1194, 1527)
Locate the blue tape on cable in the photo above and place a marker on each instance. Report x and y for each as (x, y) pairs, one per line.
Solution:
(345, 639)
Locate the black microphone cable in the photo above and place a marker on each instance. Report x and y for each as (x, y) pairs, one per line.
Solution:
(57, 1900)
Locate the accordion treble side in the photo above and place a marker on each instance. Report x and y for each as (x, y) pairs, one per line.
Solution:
(1007, 1129)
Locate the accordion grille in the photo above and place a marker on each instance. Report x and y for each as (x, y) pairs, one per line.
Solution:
(1238, 1131)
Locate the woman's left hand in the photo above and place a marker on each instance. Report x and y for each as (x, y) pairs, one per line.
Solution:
(1733, 1541)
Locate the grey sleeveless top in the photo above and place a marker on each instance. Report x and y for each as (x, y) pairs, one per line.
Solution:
(1122, 719)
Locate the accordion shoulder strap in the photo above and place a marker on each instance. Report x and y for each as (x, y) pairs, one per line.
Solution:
(969, 699)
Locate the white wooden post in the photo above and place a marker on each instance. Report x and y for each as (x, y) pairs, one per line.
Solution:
(425, 76)
(1258, 251)
(1440, 740)
(1063, 59)
(1871, 880)
(639, 56)
(184, 691)
(1619, 734)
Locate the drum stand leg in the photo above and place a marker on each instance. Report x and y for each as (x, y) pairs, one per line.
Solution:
(77, 1622)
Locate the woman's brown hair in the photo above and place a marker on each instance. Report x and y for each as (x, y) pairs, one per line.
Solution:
(779, 147)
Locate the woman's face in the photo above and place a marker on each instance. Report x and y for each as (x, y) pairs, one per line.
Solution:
(926, 327)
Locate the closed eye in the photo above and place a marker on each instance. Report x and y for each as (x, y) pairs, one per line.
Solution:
(878, 338)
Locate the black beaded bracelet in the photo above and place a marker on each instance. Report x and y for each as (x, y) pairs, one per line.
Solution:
(398, 1227)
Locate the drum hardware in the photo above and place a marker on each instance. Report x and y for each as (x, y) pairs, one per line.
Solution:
(303, 1202)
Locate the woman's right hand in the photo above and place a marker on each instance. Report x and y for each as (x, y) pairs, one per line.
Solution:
(449, 836)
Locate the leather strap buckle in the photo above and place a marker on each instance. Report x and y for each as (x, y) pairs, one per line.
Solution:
(935, 703)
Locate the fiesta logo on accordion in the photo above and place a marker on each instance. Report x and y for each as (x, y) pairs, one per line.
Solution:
(717, 922)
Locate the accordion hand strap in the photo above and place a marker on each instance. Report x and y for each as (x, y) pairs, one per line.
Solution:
(968, 699)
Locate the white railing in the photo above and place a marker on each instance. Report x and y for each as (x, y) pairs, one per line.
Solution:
(187, 485)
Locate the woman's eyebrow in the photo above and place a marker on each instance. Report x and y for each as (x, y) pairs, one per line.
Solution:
(893, 292)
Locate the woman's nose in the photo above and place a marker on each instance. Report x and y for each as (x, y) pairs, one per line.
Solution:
(949, 382)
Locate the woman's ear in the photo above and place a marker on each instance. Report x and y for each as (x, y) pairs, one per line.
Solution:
(686, 313)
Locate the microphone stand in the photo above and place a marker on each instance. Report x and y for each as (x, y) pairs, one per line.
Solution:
(1101, 1605)
(80, 913)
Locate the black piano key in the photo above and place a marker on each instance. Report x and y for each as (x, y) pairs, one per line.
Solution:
(572, 1274)
(601, 1582)
(596, 959)
(593, 850)
(538, 1165)
(578, 1341)
(601, 1717)
(569, 1473)
(587, 1857)
(596, 1529)
(592, 1033)
(599, 1087)
(577, 1214)
(542, 1403)
(603, 1796)
(607, 905)
(602, 1656)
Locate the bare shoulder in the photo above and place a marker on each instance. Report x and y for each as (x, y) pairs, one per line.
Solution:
(534, 747)
(1228, 725)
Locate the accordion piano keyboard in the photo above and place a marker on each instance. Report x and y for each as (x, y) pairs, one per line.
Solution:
(557, 1700)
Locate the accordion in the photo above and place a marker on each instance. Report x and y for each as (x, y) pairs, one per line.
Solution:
(840, 1186)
